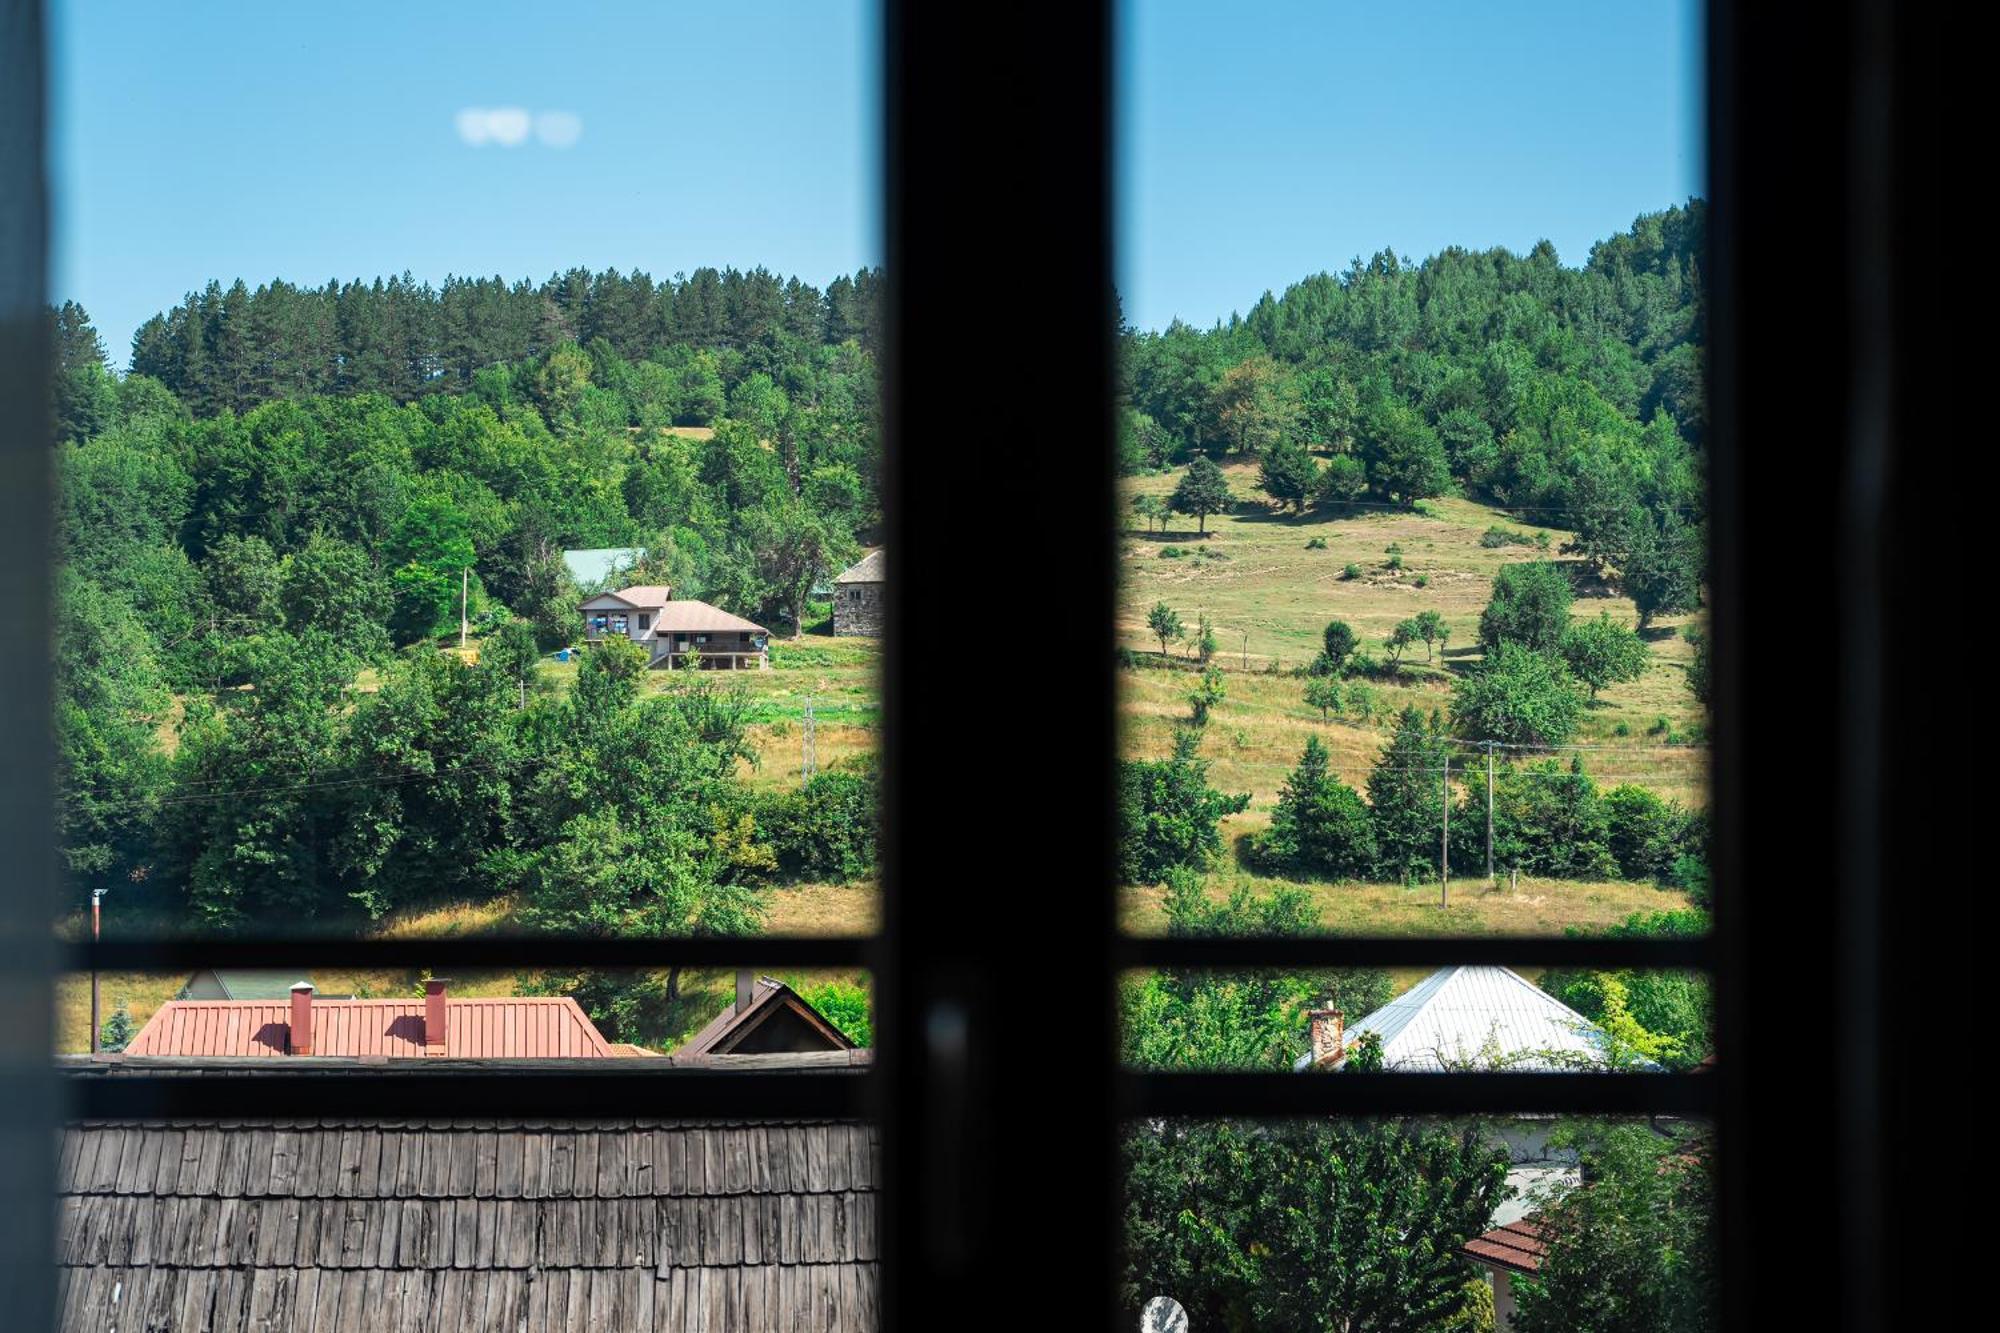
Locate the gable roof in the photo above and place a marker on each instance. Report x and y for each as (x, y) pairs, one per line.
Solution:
(769, 999)
(1518, 1247)
(515, 1026)
(688, 616)
(240, 1226)
(870, 568)
(599, 563)
(1448, 1018)
(639, 597)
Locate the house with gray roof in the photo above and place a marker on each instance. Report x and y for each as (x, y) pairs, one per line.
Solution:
(669, 628)
(858, 597)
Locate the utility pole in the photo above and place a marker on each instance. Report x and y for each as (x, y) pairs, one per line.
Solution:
(810, 762)
(1444, 840)
(1489, 814)
(96, 1023)
(464, 587)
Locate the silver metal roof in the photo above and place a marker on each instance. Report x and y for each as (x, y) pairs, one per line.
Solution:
(1477, 1018)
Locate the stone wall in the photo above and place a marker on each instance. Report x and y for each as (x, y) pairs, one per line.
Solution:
(857, 610)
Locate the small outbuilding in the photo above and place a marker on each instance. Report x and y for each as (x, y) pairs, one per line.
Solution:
(768, 1018)
(858, 597)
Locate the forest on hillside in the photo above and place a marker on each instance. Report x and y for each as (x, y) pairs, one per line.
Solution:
(1570, 395)
(280, 496)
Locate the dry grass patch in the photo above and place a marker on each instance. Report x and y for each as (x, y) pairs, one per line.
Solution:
(1270, 598)
(1540, 907)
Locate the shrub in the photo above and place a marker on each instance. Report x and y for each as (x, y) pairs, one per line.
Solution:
(825, 831)
(1529, 606)
(1168, 814)
(1423, 580)
(843, 1003)
(1337, 642)
(1171, 553)
(1549, 819)
(1497, 536)
(1393, 562)
(1622, 729)
(1644, 832)
(1351, 572)
(1520, 697)
(118, 1029)
(1428, 508)
(1316, 544)
(1602, 652)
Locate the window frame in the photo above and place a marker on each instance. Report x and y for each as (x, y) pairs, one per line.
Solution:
(996, 1085)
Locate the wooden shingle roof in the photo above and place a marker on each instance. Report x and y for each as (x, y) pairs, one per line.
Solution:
(525, 1226)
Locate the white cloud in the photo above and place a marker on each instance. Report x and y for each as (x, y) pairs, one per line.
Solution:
(558, 129)
(504, 125)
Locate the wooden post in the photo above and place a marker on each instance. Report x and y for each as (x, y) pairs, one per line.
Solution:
(1489, 812)
(96, 1023)
(1444, 840)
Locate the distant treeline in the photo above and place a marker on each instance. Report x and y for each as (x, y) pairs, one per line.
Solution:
(233, 347)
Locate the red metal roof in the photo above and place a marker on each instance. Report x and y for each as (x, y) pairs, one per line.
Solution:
(1517, 1247)
(511, 1027)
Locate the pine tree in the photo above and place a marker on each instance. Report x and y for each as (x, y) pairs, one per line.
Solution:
(1406, 796)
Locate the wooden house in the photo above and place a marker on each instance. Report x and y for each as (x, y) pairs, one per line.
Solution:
(670, 628)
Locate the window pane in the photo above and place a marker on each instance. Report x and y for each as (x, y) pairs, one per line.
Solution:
(1411, 442)
(427, 409)
(1505, 1222)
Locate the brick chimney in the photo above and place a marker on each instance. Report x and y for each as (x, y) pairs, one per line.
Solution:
(300, 1038)
(746, 990)
(435, 1011)
(1329, 1033)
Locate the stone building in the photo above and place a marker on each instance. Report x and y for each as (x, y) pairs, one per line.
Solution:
(857, 598)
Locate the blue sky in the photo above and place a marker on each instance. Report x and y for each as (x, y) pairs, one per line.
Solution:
(1260, 143)
(317, 141)
(1264, 143)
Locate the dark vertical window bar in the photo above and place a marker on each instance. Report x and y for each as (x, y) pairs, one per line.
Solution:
(27, 1083)
(997, 1042)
